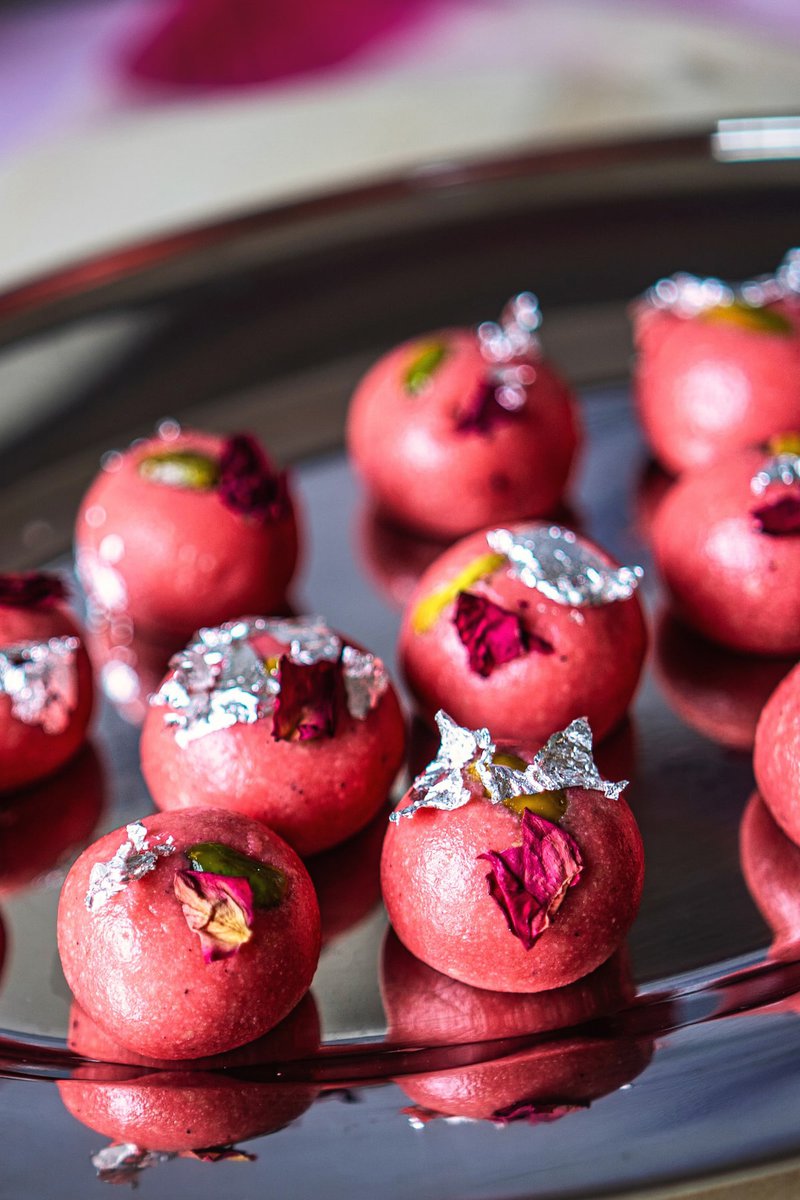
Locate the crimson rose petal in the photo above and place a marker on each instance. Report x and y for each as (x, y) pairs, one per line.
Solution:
(28, 589)
(482, 411)
(492, 634)
(534, 1112)
(248, 483)
(529, 882)
(306, 706)
(779, 517)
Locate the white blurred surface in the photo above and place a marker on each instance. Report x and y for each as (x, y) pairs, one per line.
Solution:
(86, 163)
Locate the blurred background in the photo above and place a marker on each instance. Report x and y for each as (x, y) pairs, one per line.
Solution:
(120, 118)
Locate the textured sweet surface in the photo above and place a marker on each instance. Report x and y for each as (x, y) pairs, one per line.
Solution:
(528, 1086)
(27, 751)
(436, 894)
(771, 868)
(444, 480)
(173, 558)
(776, 758)
(733, 583)
(706, 388)
(314, 793)
(593, 670)
(138, 969)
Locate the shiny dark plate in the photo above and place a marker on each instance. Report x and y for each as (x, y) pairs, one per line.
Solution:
(266, 323)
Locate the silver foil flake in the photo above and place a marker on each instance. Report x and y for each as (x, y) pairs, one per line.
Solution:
(688, 295)
(41, 680)
(515, 334)
(566, 761)
(441, 784)
(121, 1162)
(550, 559)
(135, 858)
(365, 681)
(781, 468)
(220, 680)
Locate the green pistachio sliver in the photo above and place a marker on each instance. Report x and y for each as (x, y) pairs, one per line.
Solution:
(181, 469)
(268, 883)
(759, 319)
(418, 373)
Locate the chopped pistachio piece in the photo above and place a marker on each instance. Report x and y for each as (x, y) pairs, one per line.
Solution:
(181, 469)
(748, 316)
(268, 883)
(418, 373)
(428, 611)
(551, 805)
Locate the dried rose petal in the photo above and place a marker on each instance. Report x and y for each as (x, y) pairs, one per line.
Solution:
(779, 517)
(529, 882)
(29, 589)
(534, 1112)
(218, 908)
(482, 410)
(248, 483)
(306, 705)
(492, 634)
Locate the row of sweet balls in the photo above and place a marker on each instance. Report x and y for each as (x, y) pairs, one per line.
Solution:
(468, 428)
(199, 1113)
(282, 719)
(465, 428)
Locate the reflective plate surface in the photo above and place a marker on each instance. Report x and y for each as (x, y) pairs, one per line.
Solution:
(677, 1060)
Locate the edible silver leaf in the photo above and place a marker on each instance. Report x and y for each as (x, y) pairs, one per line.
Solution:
(688, 295)
(41, 680)
(310, 639)
(550, 559)
(134, 859)
(441, 784)
(220, 680)
(365, 681)
(781, 468)
(566, 761)
(515, 334)
(120, 1162)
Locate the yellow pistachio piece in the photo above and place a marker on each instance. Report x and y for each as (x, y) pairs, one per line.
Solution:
(428, 611)
(784, 443)
(503, 759)
(749, 316)
(181, 469)
(550, 805)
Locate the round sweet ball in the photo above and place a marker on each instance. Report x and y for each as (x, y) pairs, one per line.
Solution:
(281, 720)
(425, 1007)
(776, 757)
(46, 690)
(189, 933)
(714, 373)
(197, 1111)
(727, 543)
(713, 690)
(50, 821)
(186, 529)
(511, 887)
(771, 869)
(535, 1087)
(464, 427)
(524, 629)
